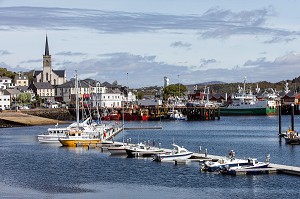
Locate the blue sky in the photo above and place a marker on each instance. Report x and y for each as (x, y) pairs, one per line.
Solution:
(188, 41)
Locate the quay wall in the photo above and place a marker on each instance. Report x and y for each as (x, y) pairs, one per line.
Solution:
(51, 113)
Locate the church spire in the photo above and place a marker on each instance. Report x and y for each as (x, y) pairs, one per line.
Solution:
(47, 47)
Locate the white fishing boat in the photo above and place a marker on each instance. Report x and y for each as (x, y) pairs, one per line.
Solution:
(119, 148)
(178, 153)
(177, 115)
(52, 135)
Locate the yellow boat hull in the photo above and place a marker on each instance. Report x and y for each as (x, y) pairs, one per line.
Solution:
(78, 143)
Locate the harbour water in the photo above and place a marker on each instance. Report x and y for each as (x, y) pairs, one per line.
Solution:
(29, 169)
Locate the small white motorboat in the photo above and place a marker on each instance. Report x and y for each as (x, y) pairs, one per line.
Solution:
(178, 153)
(142, 150)
(253, 165)
(228, 161)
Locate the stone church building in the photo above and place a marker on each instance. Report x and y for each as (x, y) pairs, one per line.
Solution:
(54, 77)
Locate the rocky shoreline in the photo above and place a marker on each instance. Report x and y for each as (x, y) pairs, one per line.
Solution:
(55, 114)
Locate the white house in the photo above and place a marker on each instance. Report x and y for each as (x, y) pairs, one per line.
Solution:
(7, 82)
(107, 100)
(21, 80)
(4, 101)
(66, 92)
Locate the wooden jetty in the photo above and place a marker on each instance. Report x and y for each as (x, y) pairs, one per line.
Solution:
(9, 119)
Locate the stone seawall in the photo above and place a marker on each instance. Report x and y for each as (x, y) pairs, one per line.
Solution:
(51, 113)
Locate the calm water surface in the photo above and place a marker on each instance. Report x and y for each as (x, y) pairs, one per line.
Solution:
(29, 169)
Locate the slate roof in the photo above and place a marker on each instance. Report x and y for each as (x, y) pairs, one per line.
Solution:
(22, 88)
(92, 82)
(22, 77)
(42, 85)
(69, 84)
(59, 73)
(3, 77)
(11, 91)
(37, 72)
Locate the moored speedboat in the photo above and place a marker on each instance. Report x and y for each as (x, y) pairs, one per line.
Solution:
(228, 161)
(118, 149)
(142, 150)
(211, 166)
(253, 165)
(292, 137)
(178, 153)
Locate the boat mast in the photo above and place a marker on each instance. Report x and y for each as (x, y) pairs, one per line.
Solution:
(77, 105)
(97, 108)
(244, 90)
(207, 97)
(123, 123)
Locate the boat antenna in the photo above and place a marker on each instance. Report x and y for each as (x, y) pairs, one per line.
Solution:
(245, 78)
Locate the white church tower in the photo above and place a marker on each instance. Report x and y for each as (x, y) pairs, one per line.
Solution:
(47, 65)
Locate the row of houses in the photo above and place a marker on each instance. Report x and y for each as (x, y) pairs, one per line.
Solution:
(90, 92)
(52, 86)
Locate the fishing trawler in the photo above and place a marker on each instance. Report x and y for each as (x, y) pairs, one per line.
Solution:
(246, 103)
